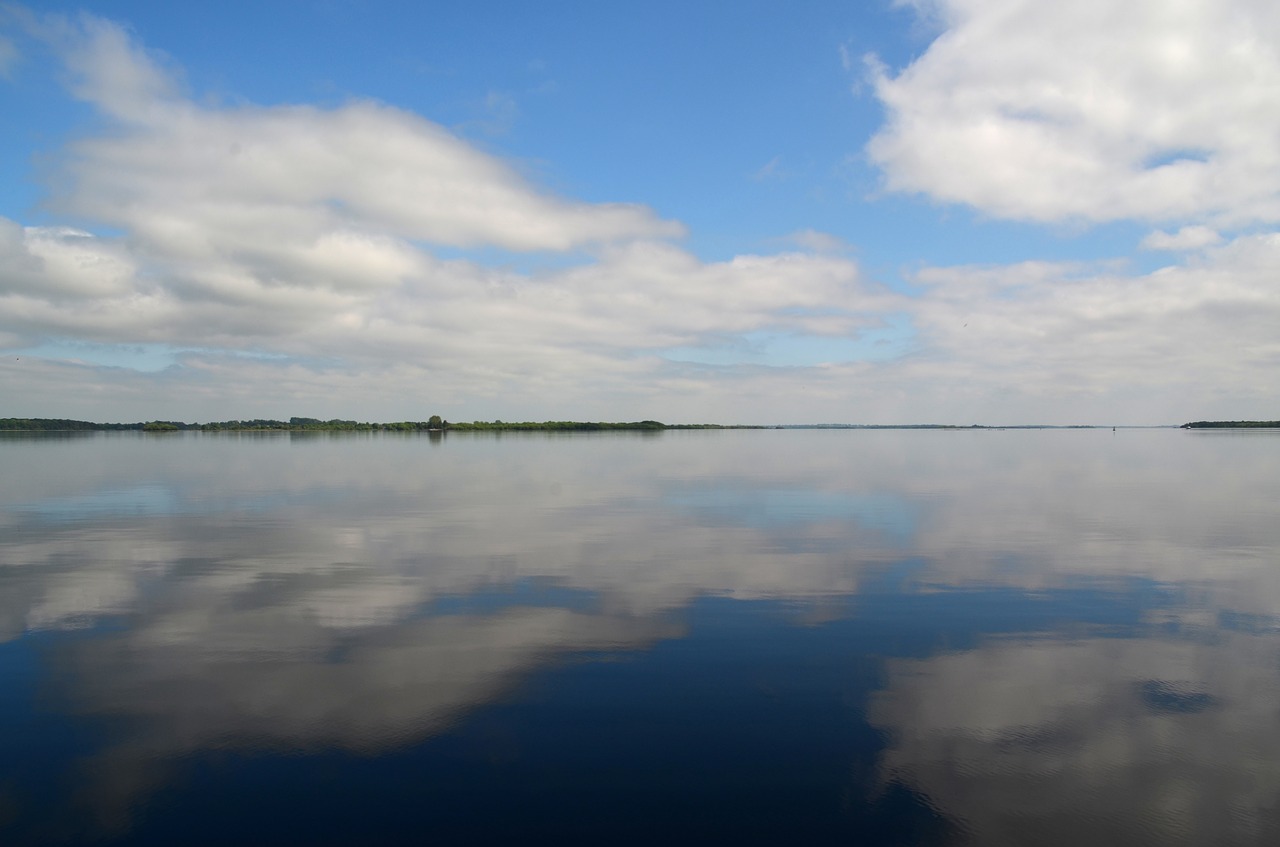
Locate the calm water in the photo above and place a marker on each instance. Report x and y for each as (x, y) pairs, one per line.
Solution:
(808, 637)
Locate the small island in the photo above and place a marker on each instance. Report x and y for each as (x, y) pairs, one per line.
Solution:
(1232, 425)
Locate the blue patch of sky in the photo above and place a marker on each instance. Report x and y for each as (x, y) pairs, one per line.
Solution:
(138, 357)
(40, 117)
(1175, 156)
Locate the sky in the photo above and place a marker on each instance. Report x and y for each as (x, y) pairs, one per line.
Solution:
(924, 211)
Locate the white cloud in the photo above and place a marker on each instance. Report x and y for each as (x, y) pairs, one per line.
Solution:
(187, 175)
(1091, 110)
(1187, 238)
(293, 250)
(1200, 334)
(192, 176)
(372, 305)
(313, 233)
(1040, 342)
(1029, 343)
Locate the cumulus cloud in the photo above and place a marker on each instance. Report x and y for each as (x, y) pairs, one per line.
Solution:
(316, 235)
(64, 264)
(188, 178)
(1187, 238)
(191, 177)
(1199, 332)
(1034, 342)
(343, 259)
(455, 322)
(1092, 111)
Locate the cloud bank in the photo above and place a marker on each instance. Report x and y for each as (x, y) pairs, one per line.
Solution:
(343, 240)
(362, 261)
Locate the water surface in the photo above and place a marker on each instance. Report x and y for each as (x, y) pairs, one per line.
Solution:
(827, 637)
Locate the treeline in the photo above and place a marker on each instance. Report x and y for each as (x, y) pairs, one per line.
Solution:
(552, 426)
(310, 425)
(256, 425)
(61, 425)
(1232, 425)
(433, 424)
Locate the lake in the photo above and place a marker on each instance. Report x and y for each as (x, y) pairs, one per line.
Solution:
(744, 637)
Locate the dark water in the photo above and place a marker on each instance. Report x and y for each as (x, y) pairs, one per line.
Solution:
(756, 637)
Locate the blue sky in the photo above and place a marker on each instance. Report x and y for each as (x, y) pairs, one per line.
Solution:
(950, 211)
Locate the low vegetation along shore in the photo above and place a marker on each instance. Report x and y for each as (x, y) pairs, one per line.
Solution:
(1232, 425)
(433, 424)
(437, 424)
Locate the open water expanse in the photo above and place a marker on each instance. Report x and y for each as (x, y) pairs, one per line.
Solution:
(718, 637)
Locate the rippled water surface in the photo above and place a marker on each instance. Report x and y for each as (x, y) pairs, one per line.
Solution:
(810, 637)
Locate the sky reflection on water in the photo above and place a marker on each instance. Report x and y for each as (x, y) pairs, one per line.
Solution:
(904, 637)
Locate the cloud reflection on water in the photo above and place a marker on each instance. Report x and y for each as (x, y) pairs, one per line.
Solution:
(1093, 740)
(296, 595)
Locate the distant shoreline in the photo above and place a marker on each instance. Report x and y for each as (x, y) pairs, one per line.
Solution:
(1232, 425)
(438, 424)
(434, 424)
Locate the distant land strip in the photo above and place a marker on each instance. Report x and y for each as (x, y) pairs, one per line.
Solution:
(1232, 425)
(437, 424)
(434, 424)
